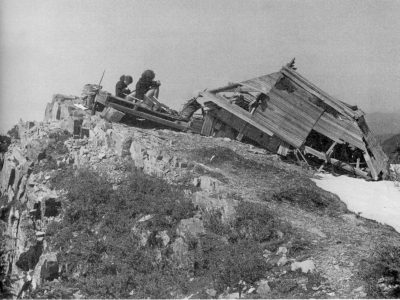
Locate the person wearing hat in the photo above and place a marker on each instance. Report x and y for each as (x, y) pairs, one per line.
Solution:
(146, 85)
(121, 88)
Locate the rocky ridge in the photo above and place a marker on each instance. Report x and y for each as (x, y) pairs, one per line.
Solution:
(29, 203)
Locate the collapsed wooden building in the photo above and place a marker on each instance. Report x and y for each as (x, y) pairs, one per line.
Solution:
(282, 112)
(286, 114)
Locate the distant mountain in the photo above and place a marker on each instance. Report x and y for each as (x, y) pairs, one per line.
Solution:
(384, 125)
(391, 146)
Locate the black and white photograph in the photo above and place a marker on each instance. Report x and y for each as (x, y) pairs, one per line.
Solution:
(199, 149)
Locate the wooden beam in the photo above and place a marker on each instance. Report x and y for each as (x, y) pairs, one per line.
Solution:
(301, 154)
(241, 133)
(237, 111)
(173, 124)
(224, 88)
(333, 161)
(330, 150)
(371, 168)
(311, 88)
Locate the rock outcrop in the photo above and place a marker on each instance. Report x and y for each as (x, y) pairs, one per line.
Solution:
(43, 147)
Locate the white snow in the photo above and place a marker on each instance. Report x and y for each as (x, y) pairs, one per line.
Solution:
(377, 200)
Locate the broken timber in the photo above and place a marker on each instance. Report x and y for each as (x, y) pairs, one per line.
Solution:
(295, 115)
(139, 109)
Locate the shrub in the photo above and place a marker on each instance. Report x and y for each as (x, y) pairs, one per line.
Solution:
(310, 199)
(231, 264)
(381, 271)
(255, 221)
(96, 238)
(238, 259)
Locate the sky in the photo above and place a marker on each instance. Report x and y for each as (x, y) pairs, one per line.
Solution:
(350, 49)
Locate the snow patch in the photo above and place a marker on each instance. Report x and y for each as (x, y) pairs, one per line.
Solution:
(376, 200)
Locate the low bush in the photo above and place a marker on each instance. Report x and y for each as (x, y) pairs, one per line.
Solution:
(381, 271)
(232, 265)
(310, 199)
(216, 155)
(233, 253)
(99, 250)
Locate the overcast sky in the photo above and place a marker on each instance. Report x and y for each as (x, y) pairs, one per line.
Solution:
(351, 49)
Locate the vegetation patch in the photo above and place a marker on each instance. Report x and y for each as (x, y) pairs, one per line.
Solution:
(232, 254)
(100, 252)
(310, 199)
(381, 271)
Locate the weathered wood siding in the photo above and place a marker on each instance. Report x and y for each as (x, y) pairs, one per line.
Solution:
(271, 143)
(289, 115)
(234, 109)
(379, 159)
(208, 124)
(261, 84)
(340, 130)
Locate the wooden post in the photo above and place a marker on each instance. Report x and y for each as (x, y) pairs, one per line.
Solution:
(241, 133)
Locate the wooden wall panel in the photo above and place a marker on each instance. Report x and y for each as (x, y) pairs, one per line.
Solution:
(340, 130)
(289, 116)
(208, 124)
(263, 83)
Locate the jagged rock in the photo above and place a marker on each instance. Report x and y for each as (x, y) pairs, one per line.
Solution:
(47, 269)
(28, 260)
(223, 204)
(120, 142)
(282, 261)
(112, 115)
(209, 184)
(52, 207)
(305, 266)
(282, 250)
(190, 228)
(231, 296)
(211, 292)
(164, 237)
(263, 289)
(180, 253)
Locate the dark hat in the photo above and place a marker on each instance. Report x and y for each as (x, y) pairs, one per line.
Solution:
(128, 79)
(149, 74)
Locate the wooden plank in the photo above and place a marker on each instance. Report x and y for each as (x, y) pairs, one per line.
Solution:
(137, 105)
(340, 130)
(270, 143)
(307, 85)
(371, 167)
(208, 125)
(283, 149)
(380, 159)
(236, 110)
(335, 162)
(288, 116)
(173, 124)
(330, 150)
(262, 84)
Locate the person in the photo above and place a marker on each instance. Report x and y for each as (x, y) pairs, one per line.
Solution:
(121, 88)
(146, 85)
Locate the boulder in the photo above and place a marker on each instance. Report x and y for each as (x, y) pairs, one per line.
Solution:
(112, 115)
(263, 289)
(181, 253)
(190, 228)
(47, 269)
(120, 142)
(305, 266)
